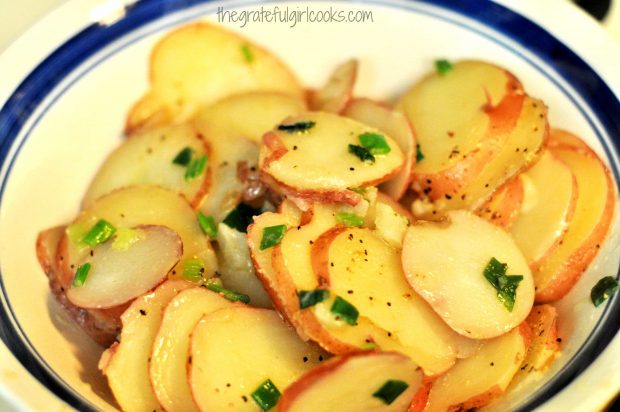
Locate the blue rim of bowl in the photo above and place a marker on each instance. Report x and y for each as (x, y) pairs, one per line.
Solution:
(48, 74)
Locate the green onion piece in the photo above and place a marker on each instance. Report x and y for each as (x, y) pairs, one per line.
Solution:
(344, 310)
(247, 53)
(361, 152)
(241, 217)
(272, 236)
(374, 142)
(603, 289)
(309, 298)
(184, 157)
(349, 219)
(267, 395)
(391, 390)
(419, 156)
(359, 190)
(207, 223)
(193, 269)
(99, 233)
(443, 67)
(81, 274)
(369, 346)
(227, 293)
(195, 168)
(506, 286)
(296, 127)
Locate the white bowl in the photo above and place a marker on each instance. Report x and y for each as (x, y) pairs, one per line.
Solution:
(67, 84)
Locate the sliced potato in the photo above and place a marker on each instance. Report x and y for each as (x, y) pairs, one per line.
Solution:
(477, 380)
(557, 272)
(167, 369)
(248, 115)
(391, 220)
(503, 207)
(549, 199)
(134, 206)
(445, 263)
(359, 266)
(396, 125)
(316, 164)
(126, 364)
(233, 351)
(236, 268)
(120, 274)
(353, 380)
(147, 159)
(200, 63)
(336, 93)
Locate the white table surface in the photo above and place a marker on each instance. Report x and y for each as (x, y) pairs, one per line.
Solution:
(16, 16)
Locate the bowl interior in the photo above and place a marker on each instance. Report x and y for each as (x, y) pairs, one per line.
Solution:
(80, 121)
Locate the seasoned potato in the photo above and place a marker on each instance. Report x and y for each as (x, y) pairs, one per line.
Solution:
(338, 91)
(198, 64)
(504, 206)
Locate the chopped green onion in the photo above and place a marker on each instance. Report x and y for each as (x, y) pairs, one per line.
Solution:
(359, 190)
(193, 269)
(227, 293)
(207, 223)
(603, 289)
(247, 53)
(391, 390)
(344, 310)
(369, 346)
(272, 236)
(296, 127)
(241, 217)
(506, 286)
(125, 238)
(184, 157)
(81, 274)
(99, 233)
(419, 156)
(195, 168)
(309, 298)
(361, 152)
(443, 67)
(349, 219)
(374, 142)
(267, 395)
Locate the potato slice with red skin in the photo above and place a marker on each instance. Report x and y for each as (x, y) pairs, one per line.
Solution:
(167, 369)
(557, 272)
(503, 207)
(146, 159)
(234, 350)
(477, 380)
(316, 164)
(350, 381)
(445, 262)
(549, 199)
(396, 125)
(197, 65)
(338, 91)
(126, 363)
(248, 115)
(120, 274)
(359, 266)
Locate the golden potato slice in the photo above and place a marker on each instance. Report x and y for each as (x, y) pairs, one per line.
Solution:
(147, 159)
(234, 351)
(337, 92)
(359, 266)
(557, 272)
(168, 365)
(248, 115)
(390, 220)
(316, 163)
(445, 262)
(120, 274)
(503, 207)
(200, 63)
(355, 381)
(477, 380)
(126, 364)
(549, 198)
(396, 125)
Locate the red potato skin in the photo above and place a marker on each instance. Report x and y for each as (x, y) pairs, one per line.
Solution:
(419, 401)
(506, 213)
(338, 105)
(320, 254)
(208, 179)
(537, 320)
(503, 118)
